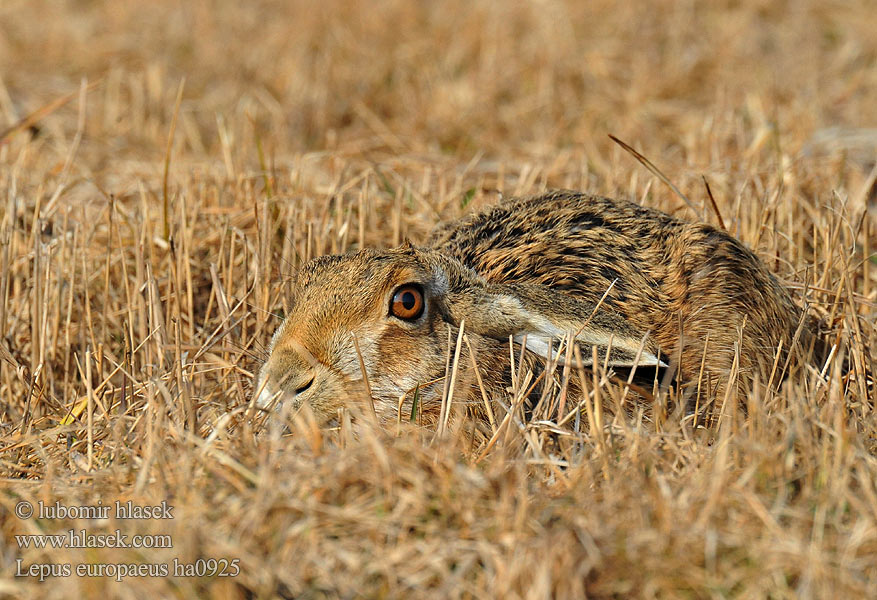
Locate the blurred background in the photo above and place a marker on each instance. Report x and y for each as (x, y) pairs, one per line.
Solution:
(697, 86)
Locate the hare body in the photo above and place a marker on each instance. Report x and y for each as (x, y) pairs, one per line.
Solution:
(683, 282)
(531, 269)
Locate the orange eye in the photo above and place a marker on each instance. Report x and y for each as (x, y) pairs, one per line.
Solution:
(407, 302)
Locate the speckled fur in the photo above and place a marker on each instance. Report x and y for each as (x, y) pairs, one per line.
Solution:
(528, 265)
(669, 272)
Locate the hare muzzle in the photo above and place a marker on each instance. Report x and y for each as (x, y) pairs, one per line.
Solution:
(288, 375)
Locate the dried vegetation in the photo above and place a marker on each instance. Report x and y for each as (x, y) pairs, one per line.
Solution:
(183, 159)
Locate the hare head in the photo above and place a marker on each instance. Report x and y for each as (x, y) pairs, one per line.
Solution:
(391, 312)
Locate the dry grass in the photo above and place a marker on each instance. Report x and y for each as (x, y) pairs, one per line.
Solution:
(145, 239)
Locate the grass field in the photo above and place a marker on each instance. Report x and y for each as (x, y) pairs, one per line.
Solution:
(165, 168)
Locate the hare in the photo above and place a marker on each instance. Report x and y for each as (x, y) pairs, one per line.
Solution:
(528, 270)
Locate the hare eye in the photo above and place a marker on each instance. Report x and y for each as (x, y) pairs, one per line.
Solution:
(407, 303)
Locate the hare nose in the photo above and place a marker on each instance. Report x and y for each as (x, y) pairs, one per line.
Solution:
(292, 365)
(305, 385)
(277, 388)
(291, 378)
(290, 370)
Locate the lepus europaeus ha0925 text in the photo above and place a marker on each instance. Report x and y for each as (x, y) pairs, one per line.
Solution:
(530, 270)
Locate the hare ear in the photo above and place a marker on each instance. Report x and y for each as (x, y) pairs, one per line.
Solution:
(541, 314)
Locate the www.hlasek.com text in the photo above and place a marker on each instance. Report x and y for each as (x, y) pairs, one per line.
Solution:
(83, 539)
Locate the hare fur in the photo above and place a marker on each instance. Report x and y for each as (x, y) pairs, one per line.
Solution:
(530, 270)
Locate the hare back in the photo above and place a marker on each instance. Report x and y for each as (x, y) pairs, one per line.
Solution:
(685, 282)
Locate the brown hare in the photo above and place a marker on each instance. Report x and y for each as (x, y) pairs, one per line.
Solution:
(529, 269)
